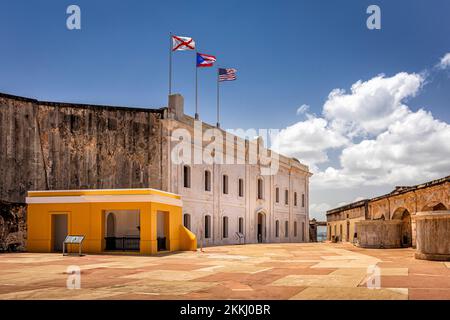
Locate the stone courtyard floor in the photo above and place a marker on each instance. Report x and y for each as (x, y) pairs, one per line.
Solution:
(259, 271)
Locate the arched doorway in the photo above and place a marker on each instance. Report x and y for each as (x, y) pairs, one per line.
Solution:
(406, 235)
(261, 227)
(111, 225)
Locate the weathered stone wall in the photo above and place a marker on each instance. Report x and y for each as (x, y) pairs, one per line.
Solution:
(50, 146)
(379, 233)
(432, 225)
(12, 226)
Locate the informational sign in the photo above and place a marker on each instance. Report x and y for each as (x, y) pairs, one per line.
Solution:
(73, 240)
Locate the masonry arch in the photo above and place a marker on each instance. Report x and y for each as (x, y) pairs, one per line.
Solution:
(435, 207)
(261, 229)
(406, 233)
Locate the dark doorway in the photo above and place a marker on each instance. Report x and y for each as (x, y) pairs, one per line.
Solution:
(261, 227)
(406, 233)
(59, 225)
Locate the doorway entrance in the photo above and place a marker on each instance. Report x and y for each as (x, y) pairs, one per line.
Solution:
(59, 231)
(122, 230)
(261, 228)
(162, 232)
(406, 234)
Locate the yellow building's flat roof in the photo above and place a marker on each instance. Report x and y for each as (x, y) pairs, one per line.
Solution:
(102, 192)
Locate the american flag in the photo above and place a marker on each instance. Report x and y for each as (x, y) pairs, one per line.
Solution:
(228, 74)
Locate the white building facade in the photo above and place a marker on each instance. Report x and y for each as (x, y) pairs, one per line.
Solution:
(234, 203)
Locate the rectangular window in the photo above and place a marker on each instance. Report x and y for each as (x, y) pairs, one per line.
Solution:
(207, 227)
(277, 195)
(207, 181)
(225, 227)
(241, 187)
(187, 176)
(303, 200)
(286, 229)
(295, 198)
(295, 228)
(260, 189)
(286, 197)
(225, 184)
(241, 225)
(277, 228)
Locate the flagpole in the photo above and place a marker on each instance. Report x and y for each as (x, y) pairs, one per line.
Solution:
(218, 122)
(196, 87)
(170, 63)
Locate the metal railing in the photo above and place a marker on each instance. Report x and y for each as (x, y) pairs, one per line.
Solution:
(123, 243)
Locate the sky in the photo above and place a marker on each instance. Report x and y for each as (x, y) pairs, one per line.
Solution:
(366, 109)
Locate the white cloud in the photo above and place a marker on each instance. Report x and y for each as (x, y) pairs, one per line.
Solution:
(445, 61)
(303, 109)
(308, 140)
(371, 106)
(398, 146)
(318, 210)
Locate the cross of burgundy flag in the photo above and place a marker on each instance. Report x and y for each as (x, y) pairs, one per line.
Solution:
(182, 43)
(205, 60)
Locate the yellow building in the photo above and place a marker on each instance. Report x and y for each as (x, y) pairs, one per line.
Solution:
(141, 220)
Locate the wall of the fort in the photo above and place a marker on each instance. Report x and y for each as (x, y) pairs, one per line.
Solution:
(342, 225)
(50, 146)
(13, 228)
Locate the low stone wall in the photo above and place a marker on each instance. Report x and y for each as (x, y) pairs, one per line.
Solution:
(379, 233)
(12, 226)
(433, 235)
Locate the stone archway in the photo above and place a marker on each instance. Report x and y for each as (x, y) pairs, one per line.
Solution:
(406, 233)
(261, 232)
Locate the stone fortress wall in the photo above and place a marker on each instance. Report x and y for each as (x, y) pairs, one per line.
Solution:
(390, 220)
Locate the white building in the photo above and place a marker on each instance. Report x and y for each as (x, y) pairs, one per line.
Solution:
(221, 200)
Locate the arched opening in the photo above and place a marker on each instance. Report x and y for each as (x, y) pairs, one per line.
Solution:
(111, 225)
(187, 220)
(295, 229)
(286, 229)
(261, 229)
(437, 207)
(406, 234)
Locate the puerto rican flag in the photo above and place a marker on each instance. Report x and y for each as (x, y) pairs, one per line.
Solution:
(205, 60)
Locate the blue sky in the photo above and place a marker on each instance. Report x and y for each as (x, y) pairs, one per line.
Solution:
(287, 53)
